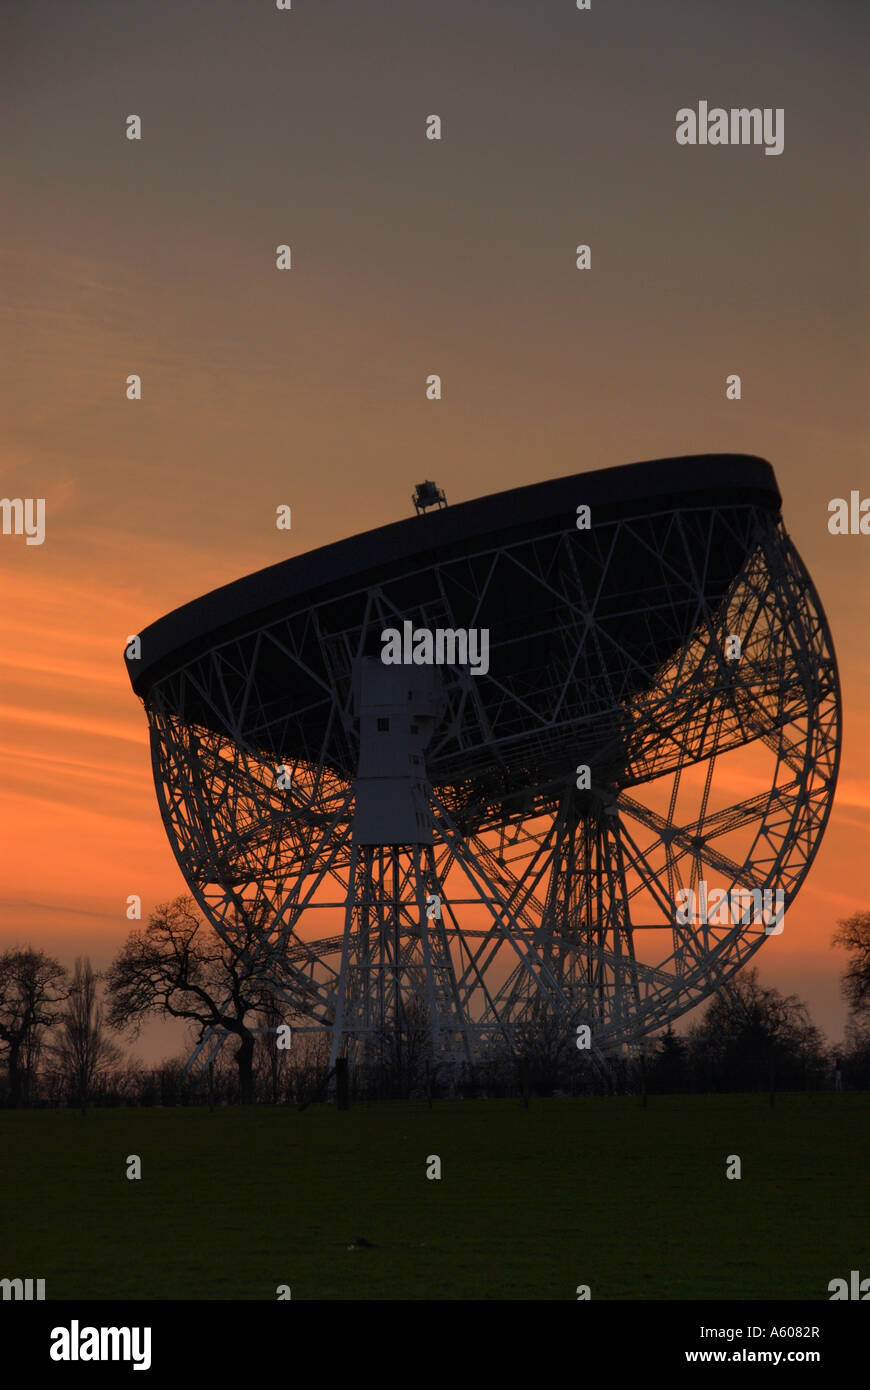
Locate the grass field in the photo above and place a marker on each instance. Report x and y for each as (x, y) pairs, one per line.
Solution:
(531, 1202)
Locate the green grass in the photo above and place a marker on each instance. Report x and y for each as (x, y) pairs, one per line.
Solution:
(531, 1203)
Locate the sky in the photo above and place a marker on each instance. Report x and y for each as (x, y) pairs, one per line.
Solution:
(410, 256)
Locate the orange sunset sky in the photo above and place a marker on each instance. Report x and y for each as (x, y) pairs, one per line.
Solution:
(410, 257)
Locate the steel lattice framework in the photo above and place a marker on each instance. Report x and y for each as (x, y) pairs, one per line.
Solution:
(608, 650)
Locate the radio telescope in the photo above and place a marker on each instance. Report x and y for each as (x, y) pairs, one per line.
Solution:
(469, 851)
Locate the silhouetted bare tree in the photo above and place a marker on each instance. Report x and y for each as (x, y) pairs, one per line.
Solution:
(274, 1057)
(853, 934)
(751, 1033)
(544, 1044)
(178, 967)
(33, 987)
(82, 1049)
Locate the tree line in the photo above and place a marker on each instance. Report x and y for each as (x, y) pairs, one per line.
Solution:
(60, 1033)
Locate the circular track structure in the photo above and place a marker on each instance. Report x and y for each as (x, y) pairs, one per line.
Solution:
(458, 854)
